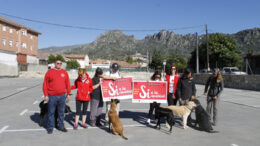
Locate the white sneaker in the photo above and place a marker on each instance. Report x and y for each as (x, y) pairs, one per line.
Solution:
(148, 121)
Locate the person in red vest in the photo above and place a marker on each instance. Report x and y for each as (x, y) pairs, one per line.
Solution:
(85, 88)
(172, 81)
(55, 86)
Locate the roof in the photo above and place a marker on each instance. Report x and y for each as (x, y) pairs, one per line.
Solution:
(16, 24)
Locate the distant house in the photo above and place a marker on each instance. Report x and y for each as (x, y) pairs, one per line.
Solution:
(83, 60)
(20, 40)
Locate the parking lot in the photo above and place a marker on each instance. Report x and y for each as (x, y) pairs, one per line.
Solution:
(239, 116)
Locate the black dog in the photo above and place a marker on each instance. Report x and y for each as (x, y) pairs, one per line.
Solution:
(202, 118)
(44, 110)
(163, 112)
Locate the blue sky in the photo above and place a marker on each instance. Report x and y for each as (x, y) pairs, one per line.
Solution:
(226, 16)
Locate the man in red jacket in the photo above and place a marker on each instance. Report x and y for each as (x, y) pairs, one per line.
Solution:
(55, 86)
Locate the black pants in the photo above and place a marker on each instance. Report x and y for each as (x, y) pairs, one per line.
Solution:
(170, 100)
(78, 107)
(152, 107)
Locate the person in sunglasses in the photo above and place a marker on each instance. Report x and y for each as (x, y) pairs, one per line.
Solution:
(56, 89)
(172, 80)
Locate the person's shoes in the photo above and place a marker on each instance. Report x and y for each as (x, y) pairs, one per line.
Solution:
(106, 124)
(213, 124)
(98, 124)
(92, 125)
(75, 126)
(50, 131)
(63, 130)
(148, 121)
(84, 126)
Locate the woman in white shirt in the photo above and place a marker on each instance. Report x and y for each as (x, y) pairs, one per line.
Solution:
(157, 76)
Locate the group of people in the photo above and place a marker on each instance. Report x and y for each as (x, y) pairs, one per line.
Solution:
(57, 88)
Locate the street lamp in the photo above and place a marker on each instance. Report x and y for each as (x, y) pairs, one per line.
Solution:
(164, 64)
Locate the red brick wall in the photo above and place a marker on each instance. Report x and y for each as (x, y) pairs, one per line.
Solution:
(22, 59)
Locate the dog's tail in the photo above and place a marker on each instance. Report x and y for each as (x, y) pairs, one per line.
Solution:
(122, 135)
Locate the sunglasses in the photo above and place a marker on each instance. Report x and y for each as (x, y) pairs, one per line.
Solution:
(59, 63)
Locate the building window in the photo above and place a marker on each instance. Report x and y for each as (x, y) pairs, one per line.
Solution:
(24, 45)
(4, 28)
(11, 43)
(16, 44)
(24, 32)
(11, 30)
(4, 42)
(31, 48)
(31, 37)
(17, 31)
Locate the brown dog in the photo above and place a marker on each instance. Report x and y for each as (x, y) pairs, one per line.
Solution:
(117, 126)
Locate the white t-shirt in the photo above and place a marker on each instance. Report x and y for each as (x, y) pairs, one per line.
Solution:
(113, 74)
(171, 88)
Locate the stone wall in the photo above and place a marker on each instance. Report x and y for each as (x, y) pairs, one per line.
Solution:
(248, 82)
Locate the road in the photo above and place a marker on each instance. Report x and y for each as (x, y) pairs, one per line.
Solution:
(239, 116)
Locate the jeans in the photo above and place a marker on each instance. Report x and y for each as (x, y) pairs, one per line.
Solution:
(96, 107)
(212, 104)
(152, 108)
(56, 103)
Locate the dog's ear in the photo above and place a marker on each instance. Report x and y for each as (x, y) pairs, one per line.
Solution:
(117, 101)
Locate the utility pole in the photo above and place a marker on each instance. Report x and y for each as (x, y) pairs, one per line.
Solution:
(197, 53)
(207, 45)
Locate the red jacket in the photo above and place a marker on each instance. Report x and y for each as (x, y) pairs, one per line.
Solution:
(176, 78)
(56, 82)
(84, 88)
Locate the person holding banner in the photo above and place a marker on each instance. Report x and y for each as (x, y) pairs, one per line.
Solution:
(85, 87)
(96, 105)
(172, 81)
(114, 72)
(157, 76)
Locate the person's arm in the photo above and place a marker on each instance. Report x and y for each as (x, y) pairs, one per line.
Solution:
(179, 90)
(106, 77)
(207, 85)
(193, 90)
(45, 86)
(220, 88)
(74, 86)
(90, 85)
(67, 82)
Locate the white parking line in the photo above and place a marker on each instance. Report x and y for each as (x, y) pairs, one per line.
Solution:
(70, 128)
(35, 102)
(3, 129)
(234, 144)
(121, 110)
(23, 112)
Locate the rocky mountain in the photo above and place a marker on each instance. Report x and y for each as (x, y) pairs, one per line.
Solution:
(116, 45)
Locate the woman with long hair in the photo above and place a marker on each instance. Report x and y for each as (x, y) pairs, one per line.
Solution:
(157, 77)
(215, 84)
(172, 81)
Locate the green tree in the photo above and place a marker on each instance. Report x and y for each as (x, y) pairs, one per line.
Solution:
(72, 64)
(60, 58)
(222, 52)
(130, 60)
(178, 61)
(157, 60)
(51, 59)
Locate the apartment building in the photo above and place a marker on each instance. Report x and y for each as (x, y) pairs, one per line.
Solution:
(18, 39)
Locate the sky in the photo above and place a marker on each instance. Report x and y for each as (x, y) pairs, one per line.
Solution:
(225, 16)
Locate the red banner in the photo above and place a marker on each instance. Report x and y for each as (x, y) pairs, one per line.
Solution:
(148, 92)
(119, 89)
